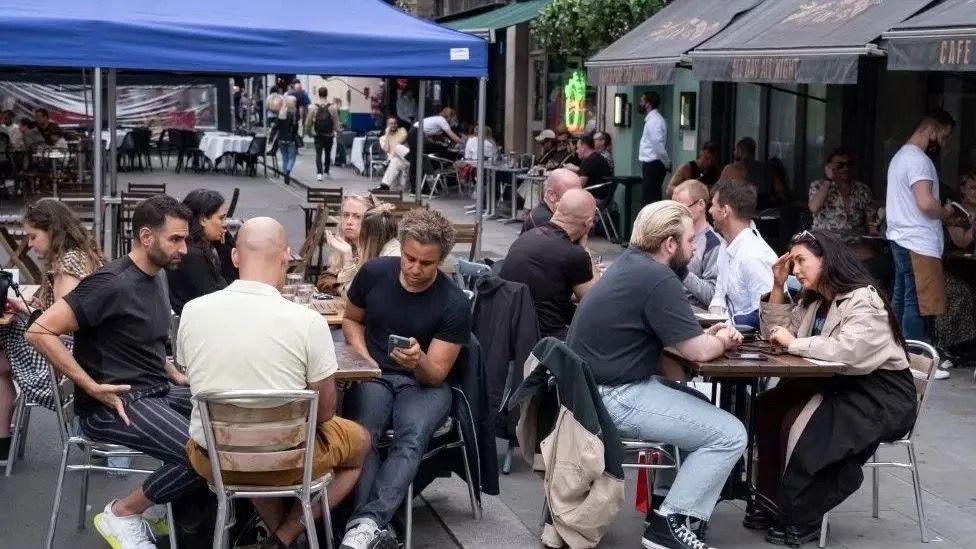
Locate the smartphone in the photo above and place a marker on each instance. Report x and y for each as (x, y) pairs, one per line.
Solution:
(747, 356)
(397, 341)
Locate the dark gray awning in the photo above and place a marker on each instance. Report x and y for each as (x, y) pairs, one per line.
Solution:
(941, 38)
(799, 41)
(649, 53)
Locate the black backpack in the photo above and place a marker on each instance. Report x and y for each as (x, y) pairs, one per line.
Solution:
(324, 124)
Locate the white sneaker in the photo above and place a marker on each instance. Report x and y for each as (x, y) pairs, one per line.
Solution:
(318, 177)
(366, 535)
(941, 374)
(129, 532)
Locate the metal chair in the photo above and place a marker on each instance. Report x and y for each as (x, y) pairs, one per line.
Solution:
(64, 408)
(440, 169)
(438, 443)
(21, 423)
(645, 449)
(924, 359)
(603, 208)
(238, 439)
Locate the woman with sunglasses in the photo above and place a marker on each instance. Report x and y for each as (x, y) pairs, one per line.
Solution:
(815, 434)
(838, 202)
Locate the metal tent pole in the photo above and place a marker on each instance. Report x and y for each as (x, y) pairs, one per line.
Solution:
(113, 156)
(97, 150)
(418, 158)
(480, 178)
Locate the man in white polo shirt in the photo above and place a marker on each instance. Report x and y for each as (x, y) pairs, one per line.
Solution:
(914, 215)
(247, 337)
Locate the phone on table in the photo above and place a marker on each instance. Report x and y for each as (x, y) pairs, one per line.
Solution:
(396, 341)
(747, 356)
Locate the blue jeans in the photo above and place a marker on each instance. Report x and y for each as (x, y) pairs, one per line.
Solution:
(904, 301)
(288, 156)
(414, 412)
(713, 439)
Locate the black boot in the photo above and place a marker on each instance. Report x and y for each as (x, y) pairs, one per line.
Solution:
(759, 518)
(670, 532)
(793, 535)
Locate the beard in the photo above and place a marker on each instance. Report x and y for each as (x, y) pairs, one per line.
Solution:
(160, 259)
(933, 149)
(679, 264)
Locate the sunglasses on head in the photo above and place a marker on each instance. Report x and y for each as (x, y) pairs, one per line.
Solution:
(804, 235)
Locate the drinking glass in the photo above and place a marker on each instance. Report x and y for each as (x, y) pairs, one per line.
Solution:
(304, 294)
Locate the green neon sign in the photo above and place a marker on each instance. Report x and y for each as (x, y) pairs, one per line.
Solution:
(575, 94)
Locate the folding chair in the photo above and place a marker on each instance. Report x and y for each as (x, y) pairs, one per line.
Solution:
(64, 407)
(21, 423)
(925, 360)
(255, 439)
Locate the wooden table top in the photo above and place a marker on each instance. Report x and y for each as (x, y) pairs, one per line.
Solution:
(353, 367)
(775, 365)
(332, 309)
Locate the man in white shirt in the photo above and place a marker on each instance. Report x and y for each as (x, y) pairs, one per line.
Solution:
(279, 345)
(914, 216)
(702, 271)
(652, 152)
(745, 266)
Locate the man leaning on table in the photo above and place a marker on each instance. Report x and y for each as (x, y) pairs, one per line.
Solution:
(621, 329)
(409, 297)
(278, 345)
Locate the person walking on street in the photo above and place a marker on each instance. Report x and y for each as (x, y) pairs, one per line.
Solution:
(286, 134)
(322, 124)
(653, 152)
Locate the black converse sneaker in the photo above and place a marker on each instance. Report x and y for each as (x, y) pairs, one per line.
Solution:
(670, 532)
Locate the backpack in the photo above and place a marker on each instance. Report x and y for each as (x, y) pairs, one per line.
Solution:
(324, 123)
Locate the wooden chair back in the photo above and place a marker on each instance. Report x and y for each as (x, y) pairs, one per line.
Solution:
(402, 207)
(246, 438)
(325, 195)
(146, 189)
(467, 234)
(313, 240)
(388, 195)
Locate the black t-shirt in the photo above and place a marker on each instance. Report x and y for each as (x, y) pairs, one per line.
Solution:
(625, 321)
(538, 216)
(551, 265)
(439, 312)
(596, 169)
(196, 276)
(123, 318)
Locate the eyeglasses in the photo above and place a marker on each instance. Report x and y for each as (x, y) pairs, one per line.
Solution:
(805, 235)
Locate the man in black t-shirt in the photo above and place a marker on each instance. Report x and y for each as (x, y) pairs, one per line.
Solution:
(123, 393)
(553, 262)
(621, 328)
(408, 297)
(593, 168)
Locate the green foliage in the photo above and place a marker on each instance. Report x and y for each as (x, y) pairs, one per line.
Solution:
(582, 27)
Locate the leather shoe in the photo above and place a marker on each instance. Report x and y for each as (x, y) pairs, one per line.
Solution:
(759, 519)
(793, 535)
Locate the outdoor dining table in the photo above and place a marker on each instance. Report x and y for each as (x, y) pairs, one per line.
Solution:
(214, 145)
(493, 171)
(119, 137)
(352, 366)
(736, 386)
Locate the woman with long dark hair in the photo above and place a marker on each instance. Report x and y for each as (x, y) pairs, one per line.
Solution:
(815, 434)
(70, 254)
(199, 272)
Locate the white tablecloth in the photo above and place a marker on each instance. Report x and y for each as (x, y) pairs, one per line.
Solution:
(216, 144)
(356, 156)
(119, 136)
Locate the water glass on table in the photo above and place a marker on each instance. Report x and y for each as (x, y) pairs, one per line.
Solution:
(303, 296)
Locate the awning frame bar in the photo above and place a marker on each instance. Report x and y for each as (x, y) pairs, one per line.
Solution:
(867, 49)
(929, 33)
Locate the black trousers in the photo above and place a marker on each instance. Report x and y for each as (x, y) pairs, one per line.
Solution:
(653, 175)
(323, 148)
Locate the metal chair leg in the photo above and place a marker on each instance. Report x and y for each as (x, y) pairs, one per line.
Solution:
(173, 542)
(83, 502)
(313, 540)
(327, 518)
(18, 428)
(875, 485)
(24, 428)
(923, 526)
(475, 503)
(220, 529)
(822, 542)
(56, 508)
(408, 535)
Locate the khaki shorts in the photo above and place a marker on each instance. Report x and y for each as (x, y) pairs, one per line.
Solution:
(338, 440)
(929, 284)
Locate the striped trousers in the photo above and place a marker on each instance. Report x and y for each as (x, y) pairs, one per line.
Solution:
(160, 428)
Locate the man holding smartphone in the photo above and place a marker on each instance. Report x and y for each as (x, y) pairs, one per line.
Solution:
(409, 319)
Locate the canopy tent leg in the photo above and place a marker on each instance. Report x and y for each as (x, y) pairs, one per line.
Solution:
(419, 157)
(113, 157)
(480, 177)
(97, 149)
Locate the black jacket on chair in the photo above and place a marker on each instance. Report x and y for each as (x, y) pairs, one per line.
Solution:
(476, 420)
(504, 319)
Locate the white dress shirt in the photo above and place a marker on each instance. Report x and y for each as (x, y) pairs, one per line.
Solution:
(745, 274)
(653, 142)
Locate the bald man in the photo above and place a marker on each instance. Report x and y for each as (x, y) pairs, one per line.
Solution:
(557, 183)
(273, 344)
(553, 262)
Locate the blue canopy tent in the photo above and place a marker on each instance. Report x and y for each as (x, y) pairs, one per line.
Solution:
(337, 37)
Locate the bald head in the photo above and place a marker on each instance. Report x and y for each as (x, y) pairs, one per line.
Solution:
(574, 213)
(557, 183)
(262, 251)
